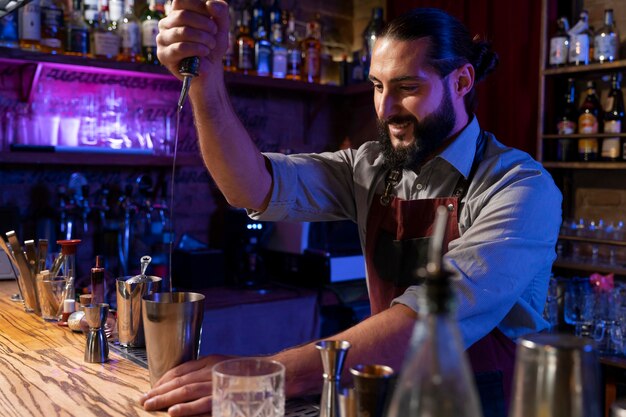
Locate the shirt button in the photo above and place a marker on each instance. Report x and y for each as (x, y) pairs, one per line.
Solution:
(419, 186)
(450, 207)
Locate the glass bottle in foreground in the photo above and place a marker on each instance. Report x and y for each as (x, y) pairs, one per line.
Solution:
(436, 379)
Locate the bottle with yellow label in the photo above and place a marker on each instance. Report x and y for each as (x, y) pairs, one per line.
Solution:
(588, 123)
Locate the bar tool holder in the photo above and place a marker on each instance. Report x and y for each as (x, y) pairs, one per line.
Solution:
(333, 354)
(97, 347)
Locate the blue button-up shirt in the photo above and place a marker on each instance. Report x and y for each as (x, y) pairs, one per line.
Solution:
(508, 224)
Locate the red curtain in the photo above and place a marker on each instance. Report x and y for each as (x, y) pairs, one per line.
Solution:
(508, 97)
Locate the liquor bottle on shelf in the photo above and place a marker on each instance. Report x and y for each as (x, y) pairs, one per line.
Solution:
(90, 11)
(262, 49)
(116, 12)
(606, 40)
(77, 32)
(257, 14)
(229, 61)
(105, 41)
(613, 120)
(371, 32)
(130, 32)
(245, 45)
(9, 37)
(52, 26)
(149, 31)
(312, 50)
(29, 26)
(279, 51)
(566, 122)
(274, 13)
(294, 53)
(588, 123)
(559, 44)
(580, 40)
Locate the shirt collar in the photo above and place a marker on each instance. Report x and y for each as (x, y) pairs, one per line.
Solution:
(459, 151)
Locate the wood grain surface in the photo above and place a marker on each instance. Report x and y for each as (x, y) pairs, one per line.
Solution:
(42, 371)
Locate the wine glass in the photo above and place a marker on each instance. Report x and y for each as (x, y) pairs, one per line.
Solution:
(579, 305)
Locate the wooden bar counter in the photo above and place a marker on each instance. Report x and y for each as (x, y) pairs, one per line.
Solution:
(42, 371)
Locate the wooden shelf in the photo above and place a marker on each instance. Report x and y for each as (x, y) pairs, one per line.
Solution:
(20, 57)
(592, 240)
(585, 165)
(582, 69)
(586, 267)
(97, 159)
(585, 135)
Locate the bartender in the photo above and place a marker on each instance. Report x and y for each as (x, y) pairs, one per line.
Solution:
(505, 209)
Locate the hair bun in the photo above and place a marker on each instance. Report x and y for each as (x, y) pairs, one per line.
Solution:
(485, 60)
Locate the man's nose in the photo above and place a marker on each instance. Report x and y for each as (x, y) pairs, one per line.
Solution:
(387, 105)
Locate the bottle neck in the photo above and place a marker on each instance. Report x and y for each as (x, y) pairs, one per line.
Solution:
(608, 18)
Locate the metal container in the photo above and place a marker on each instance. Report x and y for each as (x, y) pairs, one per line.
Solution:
(129, 295)
(173, 325)
(556, 375)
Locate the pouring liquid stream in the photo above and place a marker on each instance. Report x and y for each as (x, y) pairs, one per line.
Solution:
(172, 186)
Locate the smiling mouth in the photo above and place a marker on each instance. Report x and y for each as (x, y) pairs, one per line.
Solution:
(399, 130)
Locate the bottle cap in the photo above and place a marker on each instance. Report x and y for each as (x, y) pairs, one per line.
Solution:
(68, 247)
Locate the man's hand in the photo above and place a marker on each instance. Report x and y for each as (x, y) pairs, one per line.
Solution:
(194, 28)
(185, 390)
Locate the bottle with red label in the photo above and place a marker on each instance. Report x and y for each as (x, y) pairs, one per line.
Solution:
(589, 119)
(312, 50)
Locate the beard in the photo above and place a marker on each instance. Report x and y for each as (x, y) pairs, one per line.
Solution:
(429, 135)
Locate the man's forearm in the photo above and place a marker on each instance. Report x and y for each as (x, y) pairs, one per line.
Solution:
(381, 339)
(231, 157)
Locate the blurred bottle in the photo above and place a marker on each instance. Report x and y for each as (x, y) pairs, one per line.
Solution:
(256, 14)
(29, 26)
(90, 11)
(105, 43)
(279, 50)
(436, 379)
(588, 123)
(294, 53)
(77, 32)
(580, 40)
(150, 29)
(312, 50)
(262, 47)
(566, 122)
(606, 41)
(613, 120)
(245, 44)
(116, 12)
(9, 37)
(52, 26)
(371, 32)
(559, 43)
(229, 59)
(130, 32)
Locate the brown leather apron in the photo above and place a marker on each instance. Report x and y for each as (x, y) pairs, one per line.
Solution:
(396, 245)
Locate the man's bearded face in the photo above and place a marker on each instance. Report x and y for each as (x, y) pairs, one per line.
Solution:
(428, 135)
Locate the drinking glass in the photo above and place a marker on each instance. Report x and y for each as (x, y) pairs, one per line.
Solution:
(249, 387)
(579, 305)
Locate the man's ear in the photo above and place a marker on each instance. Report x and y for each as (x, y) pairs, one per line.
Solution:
(463, 79)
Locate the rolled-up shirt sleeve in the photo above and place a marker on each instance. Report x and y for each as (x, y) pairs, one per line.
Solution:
(310, 187)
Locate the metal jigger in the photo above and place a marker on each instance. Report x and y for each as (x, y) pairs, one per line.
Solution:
(97, 348)
(333, 355)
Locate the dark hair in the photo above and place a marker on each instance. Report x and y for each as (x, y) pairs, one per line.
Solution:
(450, 45)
